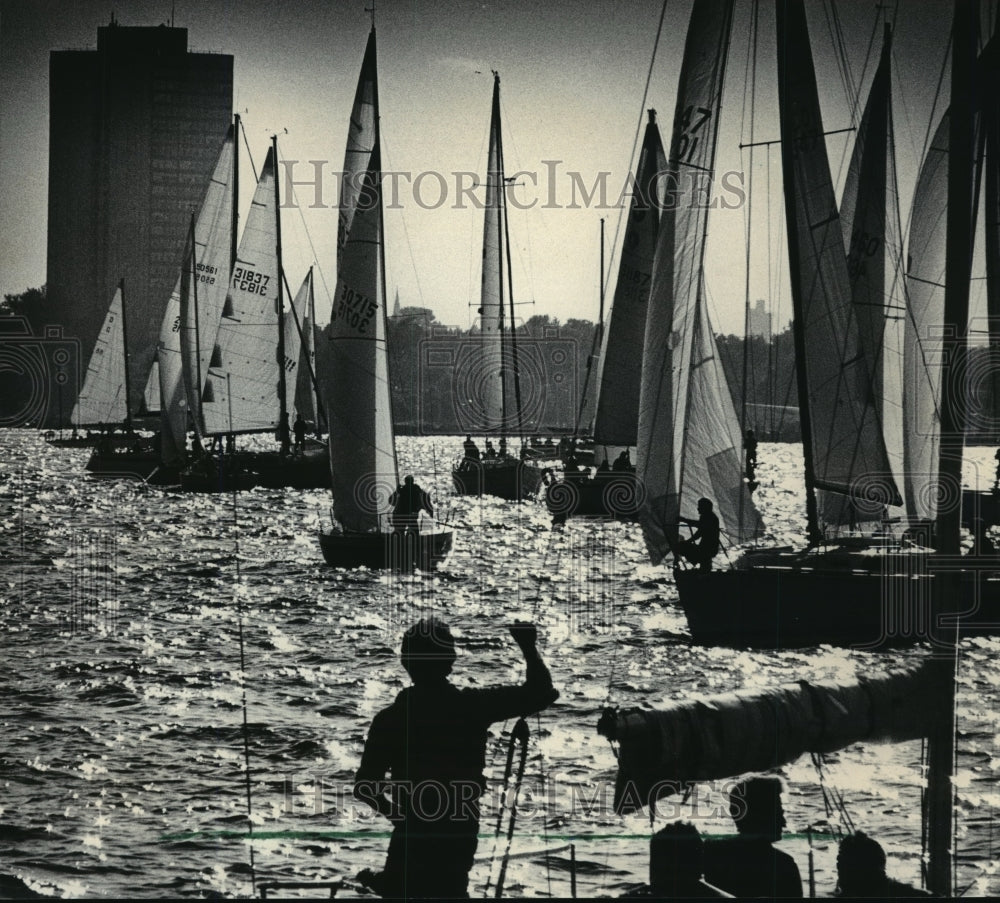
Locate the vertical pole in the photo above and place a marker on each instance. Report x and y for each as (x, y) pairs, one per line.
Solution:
(280, 300)
(941, 742)
(128, 381)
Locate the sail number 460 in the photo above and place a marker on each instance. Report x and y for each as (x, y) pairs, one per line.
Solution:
(357, 309)
(251, 281)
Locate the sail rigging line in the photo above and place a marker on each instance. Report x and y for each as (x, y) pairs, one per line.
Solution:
(279, 302)
(519, 736)
(638, 131)
(246, 144)
(243, 665)
(406, 231)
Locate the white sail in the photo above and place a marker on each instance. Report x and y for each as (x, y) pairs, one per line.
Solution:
(489, 386)
(103, 396)
(688, 435)
(869, 216)
(620, 373)
(304, 396)
(354, 375)
(186, 345)
(361, 140)
(293, 350)
(151, 394)
(244, 358)
(925, 281)
(844, 438)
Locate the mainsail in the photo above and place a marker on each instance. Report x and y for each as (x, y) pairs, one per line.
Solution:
(735, 733)
(688, 434)
(103, 398)
(362, 137)
(353, 371)
(491, 390)
(869, 216)
(842, 437)
(620, 375)
(241, 393)
(195, 306)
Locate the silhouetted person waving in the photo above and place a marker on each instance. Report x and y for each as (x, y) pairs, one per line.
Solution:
(861, 870)
(748, 865)
(407, 502)
(703, 545)
(432, 741)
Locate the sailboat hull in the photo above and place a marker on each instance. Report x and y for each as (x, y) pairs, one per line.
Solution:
(981, 504)
(132, 465)
(795, 605)
(385, 551)
(507, 478)
(614, 495)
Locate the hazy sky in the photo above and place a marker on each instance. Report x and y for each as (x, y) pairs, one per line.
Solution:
(572, 78)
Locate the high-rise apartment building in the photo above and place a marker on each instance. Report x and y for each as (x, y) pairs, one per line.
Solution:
(135, 129)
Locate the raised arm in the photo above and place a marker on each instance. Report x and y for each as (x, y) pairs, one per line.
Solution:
(535, 694)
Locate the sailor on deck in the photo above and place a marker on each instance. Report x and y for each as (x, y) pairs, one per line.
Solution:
(300, 434)
(432, 741)
(748, 865)
(407, 502)
(861, 871)
(471, 449)
(701, 553)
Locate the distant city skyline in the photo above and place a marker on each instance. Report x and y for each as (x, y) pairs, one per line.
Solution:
(572, 79)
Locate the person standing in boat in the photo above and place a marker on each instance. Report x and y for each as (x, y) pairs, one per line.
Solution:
(285, 434)
(299, 428)
(861, 871)
(471, 449)
(702, 552)
(407, 502)
(432, 742)
(748, 865)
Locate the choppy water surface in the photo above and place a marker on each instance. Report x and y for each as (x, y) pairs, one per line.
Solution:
(123, 768)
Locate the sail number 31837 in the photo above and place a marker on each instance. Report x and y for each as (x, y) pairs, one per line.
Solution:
(355, 309)
(251, 281)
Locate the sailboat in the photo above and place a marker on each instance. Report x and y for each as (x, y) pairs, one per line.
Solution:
(353, 367)
(616, 492)
(493, 373)
(778, 598)
(252, 371)
(688, 436)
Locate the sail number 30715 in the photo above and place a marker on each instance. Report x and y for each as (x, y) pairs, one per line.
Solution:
(355, 309)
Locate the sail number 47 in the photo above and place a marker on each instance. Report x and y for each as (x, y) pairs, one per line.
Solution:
(355, 308)
(692, 121)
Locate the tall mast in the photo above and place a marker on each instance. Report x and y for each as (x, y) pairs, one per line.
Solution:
(311, 356)
(500, 197)
(128, 382)
(236, 189)
(280, 301)
(958, 265)
(196, 416)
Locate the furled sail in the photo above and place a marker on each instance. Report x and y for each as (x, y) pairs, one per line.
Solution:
(241, 392)
(354, 375)
(688, 436)
(845, 446)
(620, 374)
(186, 337)
(869, 216)
(103, 396)
(731, 734)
